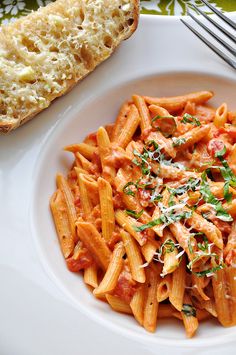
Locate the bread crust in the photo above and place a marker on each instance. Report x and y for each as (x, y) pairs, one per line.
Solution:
(7, 126)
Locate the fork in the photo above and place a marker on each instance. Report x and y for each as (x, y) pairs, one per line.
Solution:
(230, 34)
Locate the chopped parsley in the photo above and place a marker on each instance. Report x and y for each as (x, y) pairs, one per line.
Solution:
(189, 310)
(227, 174)
(127, 190)
(208, 197)
(209, 272)
(167, 247)
(167, 217)
(165, 124)
(134, 214)
(191, 185)
(190, 119)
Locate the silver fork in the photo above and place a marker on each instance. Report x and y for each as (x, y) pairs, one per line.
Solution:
(230, 33)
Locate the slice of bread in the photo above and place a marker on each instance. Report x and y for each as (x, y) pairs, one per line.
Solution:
(44, 54)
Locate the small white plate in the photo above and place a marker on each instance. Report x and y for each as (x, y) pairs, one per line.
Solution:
(161, 58)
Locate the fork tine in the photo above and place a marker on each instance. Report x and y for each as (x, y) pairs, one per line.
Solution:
(226, 58)
(216, 24)
(219, 39)
(220, 14)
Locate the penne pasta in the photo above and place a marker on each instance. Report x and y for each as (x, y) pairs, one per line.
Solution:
(62, 224)
(145, 119)
(134, 257)
(84, 149)
(221, 116)
(90, 276)
(120, 121)
(88, 234)
(130, 126)
(113, 271)
(189, 317)
(107, 209)
(69, 202)
(104, 147)
(147, 211)
(163, 288)
(137, 304)
(118, 305)
(176, 292)
(151, 304)
(178, 102)
(128, 224)
(86, 203)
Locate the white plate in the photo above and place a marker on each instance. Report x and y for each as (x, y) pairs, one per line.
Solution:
(38, 317)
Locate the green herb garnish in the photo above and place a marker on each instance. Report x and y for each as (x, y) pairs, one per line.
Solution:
(166, 125)
(166, 218)
(167, 247)
(191, 185)
(189, 310)
(208, 197)
(208, 272)
(227, 174)
(127, 190)
(190, 119)
(134, 214)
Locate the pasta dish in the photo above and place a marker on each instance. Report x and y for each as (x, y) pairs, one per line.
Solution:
(147, 211)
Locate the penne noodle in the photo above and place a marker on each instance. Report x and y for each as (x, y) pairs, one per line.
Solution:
(149, 250)
(84, 149)
(199, 283)
(189, 318)
(137, 304)
(113, 271)
(163, 288)
(88, 234)
(178, 102)
(118, 305)
(159, 111)
(104, 147)
(128, 224)
(221, 116)
(129, 128)
(163, 142)
(84, 163)
(176, 292)
(193, 136)
(145, 119)
(86, 203)
(225, 296)
(134, 257)
(209, 229)
(62, 184)
(167, 311)
(151, 304)
(90, 276)
(62, 224)
(171, 261)
(120, 121)
(107, 209)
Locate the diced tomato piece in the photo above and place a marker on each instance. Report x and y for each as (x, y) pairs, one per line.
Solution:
(77, 202)
(125, 287)
(82, 262)
(214, 146)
